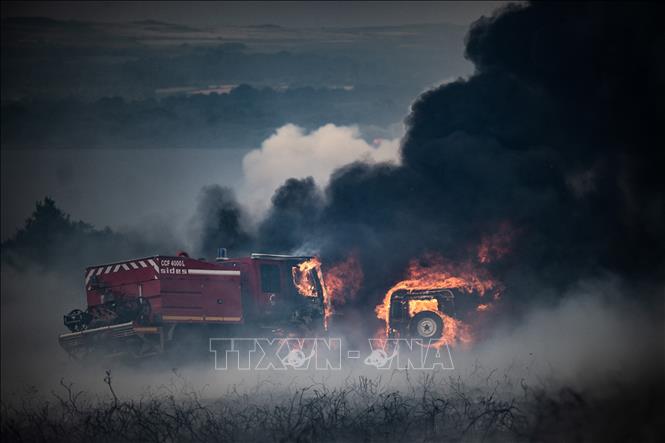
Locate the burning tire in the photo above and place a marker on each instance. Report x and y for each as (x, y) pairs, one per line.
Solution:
(426, 325)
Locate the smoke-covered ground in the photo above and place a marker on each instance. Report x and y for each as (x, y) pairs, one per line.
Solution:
(585, 369)
(593, 336)
(553, 147)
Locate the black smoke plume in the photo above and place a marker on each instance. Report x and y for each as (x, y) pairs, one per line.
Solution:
(220, 221)
(295, 208)
(558, 134)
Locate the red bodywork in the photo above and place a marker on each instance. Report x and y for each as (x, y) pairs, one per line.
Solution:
(177, 290)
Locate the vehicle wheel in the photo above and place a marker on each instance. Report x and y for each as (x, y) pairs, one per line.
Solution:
(426, 325)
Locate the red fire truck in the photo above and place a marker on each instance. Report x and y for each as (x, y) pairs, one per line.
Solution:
(144, 306)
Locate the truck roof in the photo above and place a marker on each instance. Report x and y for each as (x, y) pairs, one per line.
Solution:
(253, 255)
(258, 255)
(417, 292)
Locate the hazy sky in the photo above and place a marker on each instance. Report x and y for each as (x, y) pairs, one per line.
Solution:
(91, 184)
(297, 14)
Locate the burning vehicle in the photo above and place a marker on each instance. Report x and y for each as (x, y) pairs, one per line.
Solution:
(145, 306)
(424, 306)
(420, 313)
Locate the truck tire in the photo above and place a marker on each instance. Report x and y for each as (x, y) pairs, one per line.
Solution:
(426, 325)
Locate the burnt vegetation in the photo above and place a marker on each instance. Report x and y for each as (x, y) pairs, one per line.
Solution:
(428, 408)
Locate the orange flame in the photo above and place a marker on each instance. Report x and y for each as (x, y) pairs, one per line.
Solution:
(302, 277)
(436, 273)
(416, 306)
(452, 328)
(341, 281)
(483, 307)
(304, 282)
(344, 279)
(454, 331)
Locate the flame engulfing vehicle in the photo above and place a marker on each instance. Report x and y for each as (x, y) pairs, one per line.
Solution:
(423, 304)
(149, 305)
(420, 313)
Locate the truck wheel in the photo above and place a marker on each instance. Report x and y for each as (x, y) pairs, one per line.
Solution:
(426, 325)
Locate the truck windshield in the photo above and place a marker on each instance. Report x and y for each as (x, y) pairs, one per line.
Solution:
(306, 280)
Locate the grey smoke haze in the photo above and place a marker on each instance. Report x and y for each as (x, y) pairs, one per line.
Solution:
(124, 189)
(594, 335)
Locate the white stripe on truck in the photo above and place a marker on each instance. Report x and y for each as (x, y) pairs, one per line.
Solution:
(154, 265)
(212, 272)
(89, 275)
(128, 266)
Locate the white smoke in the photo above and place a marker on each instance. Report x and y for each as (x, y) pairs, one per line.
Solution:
(594, 333)
(293, 152)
